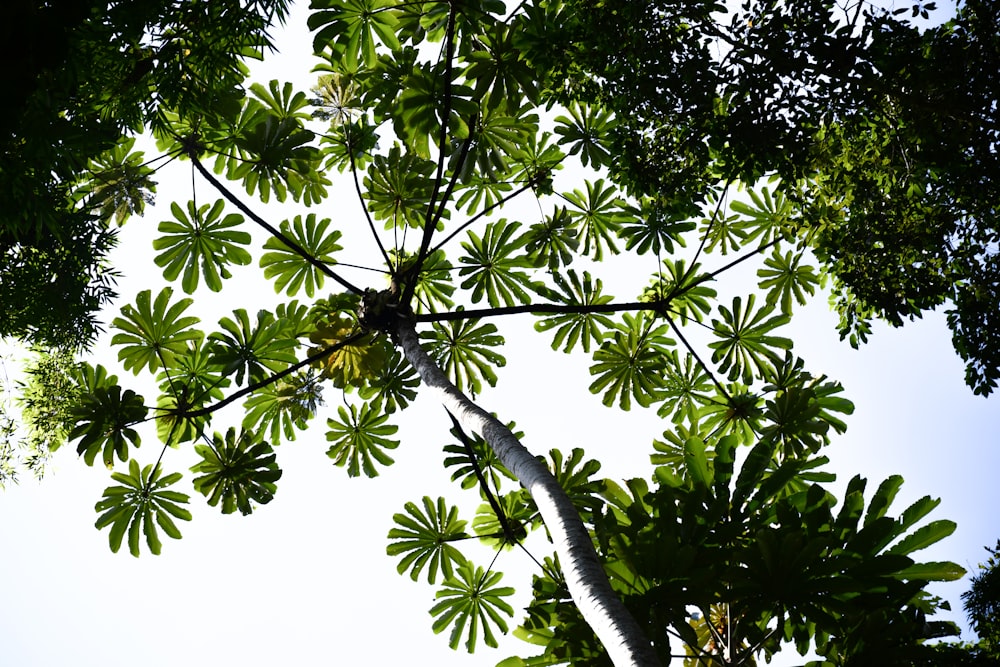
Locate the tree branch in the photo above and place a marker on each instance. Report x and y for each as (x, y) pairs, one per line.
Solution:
(292, 245)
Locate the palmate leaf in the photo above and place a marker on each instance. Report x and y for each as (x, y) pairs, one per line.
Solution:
(746, 345)
(492, 265)
(289, 269)
(686, 388)
(282, 100)
(139, 505)
(153, 334)
(360, 438)
(236, 471)
(484, 172)
(573, 328)
(655, 228)
(574, 475)
(681, 291)
(630, 365)
(119, 183)
(422, 537)
(283, 406)
(466, 351)
(503, 80)
(520, 515)
(553, 242)
(768, 215)
(433, 287)
(462, 467)
(250, 350)
(587, 132)
(469, 600)
(394, 386)
(354, 28)
(353, 364)
(397, 187)
(200, 241)
(784, 278)
(599, 214)
(104, 420)
(273, 155)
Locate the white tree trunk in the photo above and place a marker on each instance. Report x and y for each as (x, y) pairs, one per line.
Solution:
(588, 585)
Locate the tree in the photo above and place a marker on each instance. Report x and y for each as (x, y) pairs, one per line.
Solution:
(82, 76)
(982, 602)
(435, 143)
(899, 122)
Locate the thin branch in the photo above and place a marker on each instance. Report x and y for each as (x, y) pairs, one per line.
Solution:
(718, 385)
(497, 204)
(739, 260)
(311, 359)
(361, 199)
(292, 245)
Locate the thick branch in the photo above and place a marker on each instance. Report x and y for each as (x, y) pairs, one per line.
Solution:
(585, 577)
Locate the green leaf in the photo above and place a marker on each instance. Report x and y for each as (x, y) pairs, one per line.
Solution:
(696, 462)
(140, 503)
(630, 364)
(354, 29)
(250, 351)
(784, 278)
(237, 471)
(935, 571)
(599, 213)
(745, 344)
(103, 422)
(463, 469)
(289, 269)
(152, 335)
(924, 537)
(422, 537)
(466, 351)
(119, 183)
(469, 601)
(360, 439)
(198, 242)
(573, 328)
(587, 132)
(283, 406)
(492, 265)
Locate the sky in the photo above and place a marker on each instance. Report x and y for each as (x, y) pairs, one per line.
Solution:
(305, 579)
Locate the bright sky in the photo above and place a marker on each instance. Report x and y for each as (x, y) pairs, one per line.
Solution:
(305, 579)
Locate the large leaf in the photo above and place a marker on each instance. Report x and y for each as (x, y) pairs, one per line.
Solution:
(199, 241)
(422, 537)
(140, 505)
(471, 600)
(572, 328)
(630, 364)
(236, 470)
(466, 350)
(152, 334)
(282, 406)
(104, 423)
(360, 438)
(746, 344)
(252, 351)
(289, 269)
(493, 266)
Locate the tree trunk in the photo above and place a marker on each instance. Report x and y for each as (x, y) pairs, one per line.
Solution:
(588, 584)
